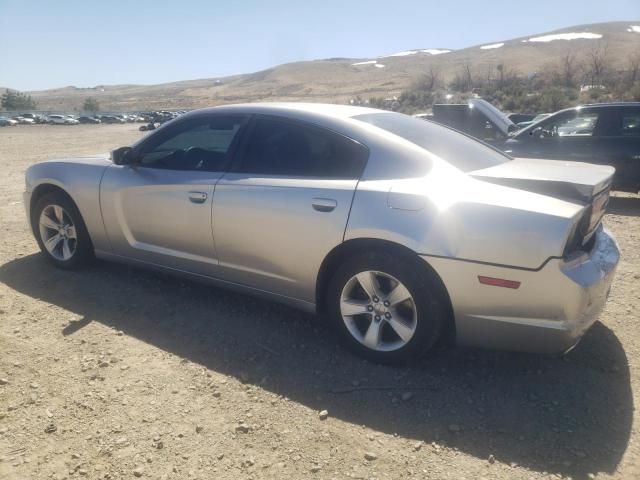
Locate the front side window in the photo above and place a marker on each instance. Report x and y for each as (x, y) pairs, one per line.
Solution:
(200, 144)
(577, 123)
(287, 148)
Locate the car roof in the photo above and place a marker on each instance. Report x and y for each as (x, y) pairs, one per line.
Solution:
(322, 109)
(611, 104)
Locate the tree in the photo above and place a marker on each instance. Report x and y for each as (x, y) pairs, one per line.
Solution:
(90, 105)
(14, 100)
(429, 81)
(597, 64)
(568, 67)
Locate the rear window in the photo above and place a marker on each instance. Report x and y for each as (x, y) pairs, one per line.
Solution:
(458, 149)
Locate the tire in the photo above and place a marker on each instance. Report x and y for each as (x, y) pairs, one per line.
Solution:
(419, 330)
(78, 251)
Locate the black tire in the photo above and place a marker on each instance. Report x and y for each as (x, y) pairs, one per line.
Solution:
(83, 247)
(428, 297)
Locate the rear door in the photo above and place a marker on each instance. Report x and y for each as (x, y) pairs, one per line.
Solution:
(285, 205)
(158, 210)
(618, 145)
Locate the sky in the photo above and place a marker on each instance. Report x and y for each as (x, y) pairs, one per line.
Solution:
(49, 44)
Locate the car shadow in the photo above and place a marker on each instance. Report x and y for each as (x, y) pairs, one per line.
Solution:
(570, 416)
(626, 206)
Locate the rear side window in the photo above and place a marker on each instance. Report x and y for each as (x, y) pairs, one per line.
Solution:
(631, 122)
(287, 148)
(460, 150)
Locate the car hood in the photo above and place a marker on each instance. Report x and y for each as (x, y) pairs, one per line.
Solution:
(100, 159)
(565, 180)
(496, 116)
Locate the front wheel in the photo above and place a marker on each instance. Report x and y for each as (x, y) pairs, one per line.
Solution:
(61, 232)
(386, 307)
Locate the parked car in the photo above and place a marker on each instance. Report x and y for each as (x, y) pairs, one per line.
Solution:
(7, 122)
(85, 119)
(24, 121)
(37, 118)
(62, 120)
(403, 231)
(607, 134)
(111, 119)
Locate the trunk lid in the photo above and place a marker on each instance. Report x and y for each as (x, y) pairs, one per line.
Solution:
(573, 181)
(576, 182)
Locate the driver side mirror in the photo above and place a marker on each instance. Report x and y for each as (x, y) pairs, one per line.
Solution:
(123, 156)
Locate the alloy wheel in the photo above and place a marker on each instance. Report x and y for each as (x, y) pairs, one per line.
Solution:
(58, 233)
(378, 310)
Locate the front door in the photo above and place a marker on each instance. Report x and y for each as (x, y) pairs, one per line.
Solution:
(158, 210)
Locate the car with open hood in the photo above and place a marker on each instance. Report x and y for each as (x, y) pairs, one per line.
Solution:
(605, 134)
(402, 233)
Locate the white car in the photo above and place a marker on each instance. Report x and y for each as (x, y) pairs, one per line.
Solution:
(24, 121)
(62, 120)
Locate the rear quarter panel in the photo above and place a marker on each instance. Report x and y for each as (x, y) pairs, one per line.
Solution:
(451, 215)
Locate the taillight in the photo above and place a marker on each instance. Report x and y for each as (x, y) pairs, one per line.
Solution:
(598, 209)
(583, 231)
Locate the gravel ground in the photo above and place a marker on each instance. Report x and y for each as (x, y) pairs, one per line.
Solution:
(113, 373)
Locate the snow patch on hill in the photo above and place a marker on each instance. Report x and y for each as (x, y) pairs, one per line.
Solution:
(403, 54)
(430, 51)
(492, 46)
(369, 62)
(565, 36)
(435, 51)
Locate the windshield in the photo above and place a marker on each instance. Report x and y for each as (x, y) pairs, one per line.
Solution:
(458, 149)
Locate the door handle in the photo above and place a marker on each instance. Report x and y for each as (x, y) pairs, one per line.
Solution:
(197, 197)
(324, 204)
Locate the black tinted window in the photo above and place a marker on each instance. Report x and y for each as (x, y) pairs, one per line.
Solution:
(631, 122)
(282, 147)
(199, 144)
(574, 123)
(459, 150)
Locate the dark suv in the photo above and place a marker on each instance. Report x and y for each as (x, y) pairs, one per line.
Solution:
(607, 133)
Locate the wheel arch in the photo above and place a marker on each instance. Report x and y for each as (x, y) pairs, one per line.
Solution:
(47, 188)
(358, 245)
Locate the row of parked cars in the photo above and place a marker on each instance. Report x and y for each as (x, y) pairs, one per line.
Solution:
(604, 133)
(61, 119)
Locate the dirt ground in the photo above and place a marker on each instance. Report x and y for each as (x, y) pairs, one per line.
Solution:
(115, 373)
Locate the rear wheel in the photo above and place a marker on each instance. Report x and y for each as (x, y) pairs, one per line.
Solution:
(385, 307)
(61, 232)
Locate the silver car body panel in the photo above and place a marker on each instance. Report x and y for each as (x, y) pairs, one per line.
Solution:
(273, 233)
(270, 235)
(548, 313)
(80, 178)
(160, 216)
(576, 180)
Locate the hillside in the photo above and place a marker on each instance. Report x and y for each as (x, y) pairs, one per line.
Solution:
(338, 80)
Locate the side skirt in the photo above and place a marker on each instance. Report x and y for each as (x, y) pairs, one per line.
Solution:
(216, 282)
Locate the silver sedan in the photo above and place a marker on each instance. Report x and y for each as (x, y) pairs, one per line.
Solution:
(403, 232)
